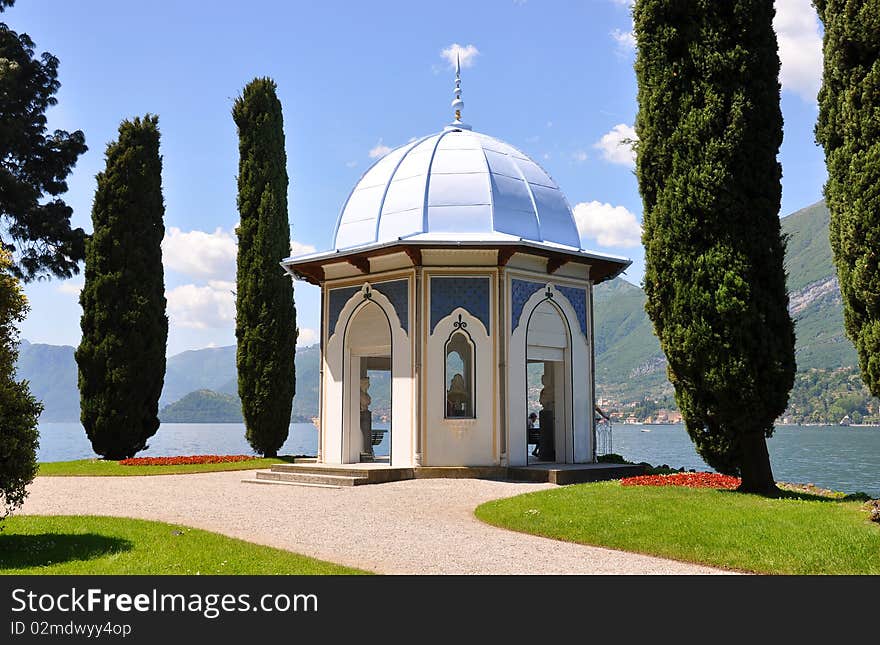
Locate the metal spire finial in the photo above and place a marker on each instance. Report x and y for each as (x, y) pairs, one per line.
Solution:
(457, 103)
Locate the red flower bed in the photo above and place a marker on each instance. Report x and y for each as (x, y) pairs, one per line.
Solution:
(691, 480)
(182, 461)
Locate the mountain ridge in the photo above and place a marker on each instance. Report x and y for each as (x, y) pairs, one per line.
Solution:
(827, 387)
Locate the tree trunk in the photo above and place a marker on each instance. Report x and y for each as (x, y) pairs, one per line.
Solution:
(757, 476)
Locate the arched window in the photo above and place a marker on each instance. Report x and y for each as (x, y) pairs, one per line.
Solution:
(459, 381)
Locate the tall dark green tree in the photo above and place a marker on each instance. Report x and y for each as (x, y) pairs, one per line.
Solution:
(34, 220)
(265, 323)
(709, 127)
(121, 356)
(19, 410)
(849, 130)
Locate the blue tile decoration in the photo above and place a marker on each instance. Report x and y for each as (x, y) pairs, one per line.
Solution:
(521, 291)
(447, 293)
(338, 298)
(397, 291)
(578, 299)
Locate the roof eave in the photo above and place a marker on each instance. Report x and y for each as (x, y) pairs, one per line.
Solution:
(290, 264)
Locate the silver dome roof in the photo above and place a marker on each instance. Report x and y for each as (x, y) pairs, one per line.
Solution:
(457, 184)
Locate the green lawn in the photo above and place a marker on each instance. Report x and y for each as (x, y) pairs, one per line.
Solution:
(796, 534)
(101, 468)
(85, 544)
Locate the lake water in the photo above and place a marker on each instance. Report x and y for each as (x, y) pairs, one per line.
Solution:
(67, 441)
(846, 459)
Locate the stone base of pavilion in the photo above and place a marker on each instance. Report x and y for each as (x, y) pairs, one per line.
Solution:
(338, 476)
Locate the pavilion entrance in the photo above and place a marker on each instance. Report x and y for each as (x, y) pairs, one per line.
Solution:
(368, 420)
(374, 415)
(549, 435)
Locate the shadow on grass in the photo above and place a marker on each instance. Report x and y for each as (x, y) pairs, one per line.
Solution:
(812, 497)
(805, 496)
(24, 551)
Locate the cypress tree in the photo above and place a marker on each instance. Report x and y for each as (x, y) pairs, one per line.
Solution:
(265, 323)
(849, 130)
(19, 410)
(709, 127)
(121, 356)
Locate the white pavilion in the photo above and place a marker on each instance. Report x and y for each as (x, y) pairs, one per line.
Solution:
(457, 282)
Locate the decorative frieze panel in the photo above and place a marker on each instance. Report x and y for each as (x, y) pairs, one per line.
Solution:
(578, 299)
(338, 298)
(397, 292)
(448, 293)
(521, 291)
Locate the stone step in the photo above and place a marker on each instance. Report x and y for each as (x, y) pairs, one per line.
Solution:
(348, 471)
(312, 478)
(374, 475)
(278, 482)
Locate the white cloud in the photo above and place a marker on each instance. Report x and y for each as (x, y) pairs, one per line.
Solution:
(307, 336)
(800, 47)
(298, 248)
(222, 285)
(467, 54)
(580, 156)
(616, 145)
(379, 150)
(626, 40)
(71, 287)
(351, 164)
(205, 256)
(209, 259)
(198, 254)
(202, 307)
(608, 225)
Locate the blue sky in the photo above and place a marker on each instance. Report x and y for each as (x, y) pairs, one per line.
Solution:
(553, 78)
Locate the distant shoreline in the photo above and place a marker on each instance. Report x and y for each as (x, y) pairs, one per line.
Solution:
(791, 425)
(225, 422)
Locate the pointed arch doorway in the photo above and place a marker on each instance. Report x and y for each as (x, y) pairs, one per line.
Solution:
(548, 378)
(367, 408)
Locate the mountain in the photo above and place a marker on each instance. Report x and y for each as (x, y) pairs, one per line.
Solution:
(629, 362)
(211, 368)
(203, 406)
(828, 386)
(52, 373)
(814, 294)
(630, 365)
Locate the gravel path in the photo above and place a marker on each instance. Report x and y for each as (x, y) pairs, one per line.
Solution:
(423, 526)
